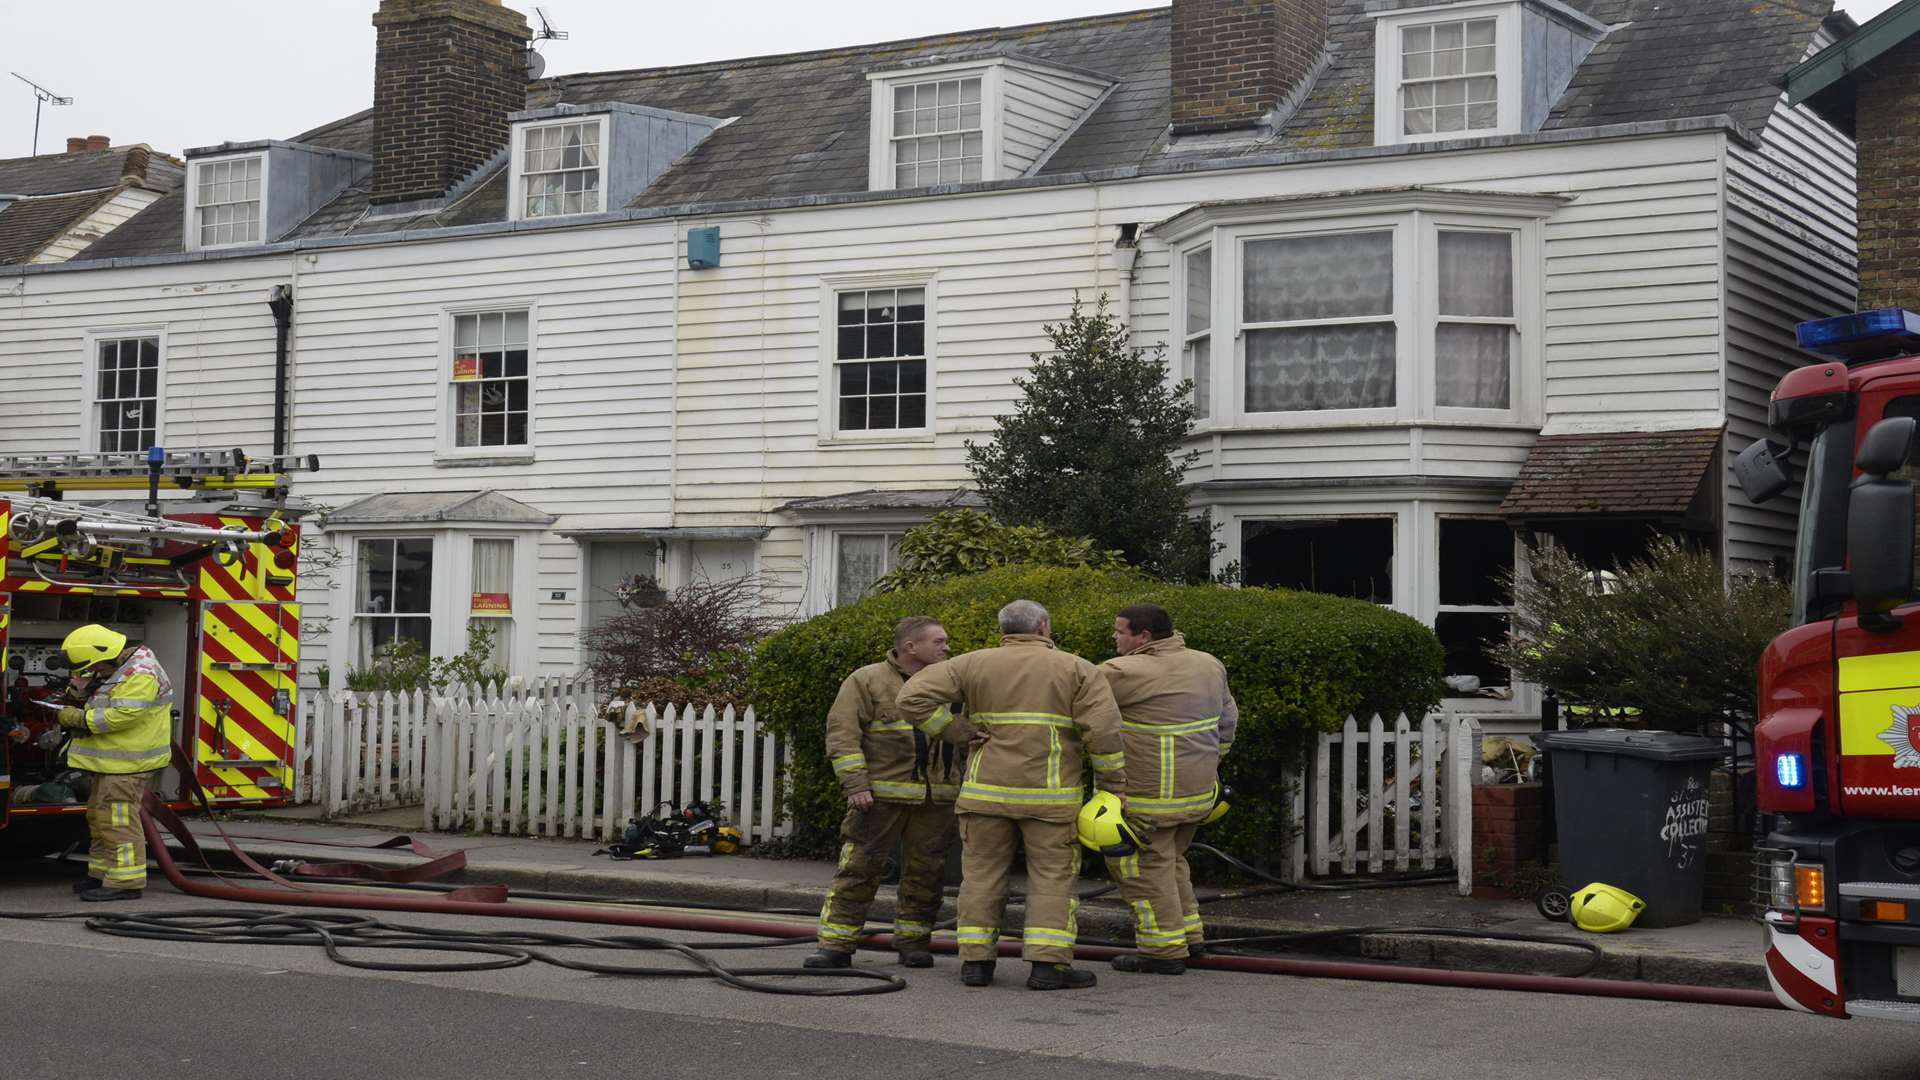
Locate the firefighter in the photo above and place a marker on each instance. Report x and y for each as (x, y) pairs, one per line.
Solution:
(122, 735)
(1177, 719)
(1040, 710)
(900, 788)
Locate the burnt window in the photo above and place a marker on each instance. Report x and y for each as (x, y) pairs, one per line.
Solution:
(1476, 608)
(1340, 556)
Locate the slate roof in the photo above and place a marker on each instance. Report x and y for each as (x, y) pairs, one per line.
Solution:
(62, 189)
(875, 499)
(802, 127)
(1630, 473)
(489, 507)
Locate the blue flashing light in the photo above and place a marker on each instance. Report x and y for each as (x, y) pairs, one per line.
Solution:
(1790, 770)
(156, 456)
(1864, 335)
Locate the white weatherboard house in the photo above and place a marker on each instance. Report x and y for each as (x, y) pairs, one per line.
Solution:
(1447, 275)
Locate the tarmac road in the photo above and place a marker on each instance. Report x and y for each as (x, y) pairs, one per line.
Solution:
(105, 1007)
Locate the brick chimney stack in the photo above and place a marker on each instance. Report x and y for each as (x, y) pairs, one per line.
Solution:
(1239, 63)
(446, 74)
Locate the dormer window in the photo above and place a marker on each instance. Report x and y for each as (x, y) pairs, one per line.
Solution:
(561, 169)
(227, 200)
(1447, 72)
(938, 136)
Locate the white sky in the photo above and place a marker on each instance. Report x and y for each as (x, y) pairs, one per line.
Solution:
(182, 73)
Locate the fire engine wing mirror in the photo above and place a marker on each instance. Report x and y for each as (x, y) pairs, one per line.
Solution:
(1880, 525)
(1762, 471)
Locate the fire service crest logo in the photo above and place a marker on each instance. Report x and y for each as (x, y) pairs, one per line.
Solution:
(1904, 736)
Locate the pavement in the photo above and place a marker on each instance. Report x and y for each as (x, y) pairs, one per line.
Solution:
(1716, 951)
(159, 1008)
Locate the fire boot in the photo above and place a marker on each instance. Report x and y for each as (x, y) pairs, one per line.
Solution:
(916, 958)
(976, 973)
(100, 896)
(1047, 976)
(1150, 965)
(85, 884)
(826, 959)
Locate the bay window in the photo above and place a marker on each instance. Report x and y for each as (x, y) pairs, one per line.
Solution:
(1317, 321)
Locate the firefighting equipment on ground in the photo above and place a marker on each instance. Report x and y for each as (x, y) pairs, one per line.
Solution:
(1604, 909)
(671, 832)
(1102, 826)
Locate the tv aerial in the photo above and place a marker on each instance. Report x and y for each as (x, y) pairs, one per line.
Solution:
(43, 96)
(537, 64)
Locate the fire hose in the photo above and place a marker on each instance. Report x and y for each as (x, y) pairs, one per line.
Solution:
(787, 932)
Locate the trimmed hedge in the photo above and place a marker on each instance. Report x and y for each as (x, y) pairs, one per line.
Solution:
(1297, 662)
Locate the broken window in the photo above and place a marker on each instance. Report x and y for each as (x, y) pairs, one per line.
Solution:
(1342, 557)
(1476, 609)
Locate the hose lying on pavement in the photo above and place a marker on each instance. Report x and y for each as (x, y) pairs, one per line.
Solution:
(342, 936)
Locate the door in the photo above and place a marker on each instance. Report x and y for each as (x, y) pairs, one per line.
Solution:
(247, 693)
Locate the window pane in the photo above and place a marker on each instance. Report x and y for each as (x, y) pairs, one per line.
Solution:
(1474, 553)
(1350, 557)
(1321, 367)
(1199, 290)
(882, 414)
(492, 568)
(861, 561)
(376, 576)
(853, 414)
(1476, 274)
(1466, 636)
(1319, 277)
(853, 379)
(912, 340)
(1473, 365)
(1199, 368)
(913, 377)
(910, 305)
(880, 340)
(413, 575)
(913, 411)
(853, 343)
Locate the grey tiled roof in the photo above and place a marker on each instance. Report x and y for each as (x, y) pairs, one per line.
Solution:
(86, 170)
(802, 127)
(29, 225)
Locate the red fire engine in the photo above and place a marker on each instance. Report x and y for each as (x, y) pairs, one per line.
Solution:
(203, 571)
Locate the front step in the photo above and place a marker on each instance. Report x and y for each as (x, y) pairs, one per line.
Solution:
(1866, 1009)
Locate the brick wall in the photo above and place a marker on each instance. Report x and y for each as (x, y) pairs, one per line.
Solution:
(1506, 837)
(1888, 121)
(1729, 888)
(446, 74)
(1235, 61)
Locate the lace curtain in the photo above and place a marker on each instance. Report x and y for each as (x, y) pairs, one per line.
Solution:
(1310, 368)
(1473, 362)
(1197, 358)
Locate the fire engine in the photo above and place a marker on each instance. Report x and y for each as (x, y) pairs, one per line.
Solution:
(1838, 740)
(203, 571)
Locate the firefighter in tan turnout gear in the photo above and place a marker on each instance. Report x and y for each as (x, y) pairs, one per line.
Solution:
(1177, 719)
(900, 787)
(1040, 711)
(123, 736)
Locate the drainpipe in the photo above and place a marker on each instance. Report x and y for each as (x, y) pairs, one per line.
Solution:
(281, 304)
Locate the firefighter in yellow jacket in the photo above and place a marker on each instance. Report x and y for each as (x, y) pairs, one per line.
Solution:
(1041, 711)
(900, 786)
(1177, 717)
(122, 735)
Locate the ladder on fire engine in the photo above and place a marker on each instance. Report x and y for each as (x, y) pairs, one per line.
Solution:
(47, 475)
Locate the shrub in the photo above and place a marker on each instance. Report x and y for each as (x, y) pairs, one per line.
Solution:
(1297, 662)
(967, 542)
(695, 641)
(403, 665)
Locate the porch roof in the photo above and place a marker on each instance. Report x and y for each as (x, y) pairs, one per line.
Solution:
(1616, 473)
(434, 507)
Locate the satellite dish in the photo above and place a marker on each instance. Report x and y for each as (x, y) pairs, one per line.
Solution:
(536, 65)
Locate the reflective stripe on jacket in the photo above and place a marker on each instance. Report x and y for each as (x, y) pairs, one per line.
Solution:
(873, 748)
(128, 720)
(1177, 718)
(1042, 710)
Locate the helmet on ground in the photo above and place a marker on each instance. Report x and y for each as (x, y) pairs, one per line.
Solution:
(1103, 829)
(1222, 802)
(92, 644)
(1605, 909)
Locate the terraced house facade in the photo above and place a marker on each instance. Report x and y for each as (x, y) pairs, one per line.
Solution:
(1446, 276)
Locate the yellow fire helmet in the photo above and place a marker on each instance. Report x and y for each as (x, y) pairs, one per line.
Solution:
(1604, 909)
(92, 644)
(1222, 802)
(1103, 829)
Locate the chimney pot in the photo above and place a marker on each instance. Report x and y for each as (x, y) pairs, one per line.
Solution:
(76, 143)
(98, 142)
(1237, 62)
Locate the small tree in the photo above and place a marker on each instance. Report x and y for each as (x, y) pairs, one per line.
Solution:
(969, 542)
(1094, 449)
(692, 645)
(1669, 637)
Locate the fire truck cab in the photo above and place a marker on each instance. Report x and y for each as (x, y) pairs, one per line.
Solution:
(1837, 745)
(203, 571)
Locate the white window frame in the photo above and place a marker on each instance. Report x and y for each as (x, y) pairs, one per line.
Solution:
(1387, 28)
(1438, 607)
(1187, 335)
(833, 552)
(452, 603)
(1416, 219)
(519, 592)
(89, 403)
(880, 174)
(449, 451)
(436, 593)
(193, 200)
(830, 290)
(517, 196)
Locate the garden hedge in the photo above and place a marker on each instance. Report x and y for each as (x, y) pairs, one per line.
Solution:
(1297, 662)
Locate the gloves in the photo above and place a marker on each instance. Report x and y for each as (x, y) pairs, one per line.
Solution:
(71, 717)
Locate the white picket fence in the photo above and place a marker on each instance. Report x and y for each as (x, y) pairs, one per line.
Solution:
(1393, 796)
(537, 765)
